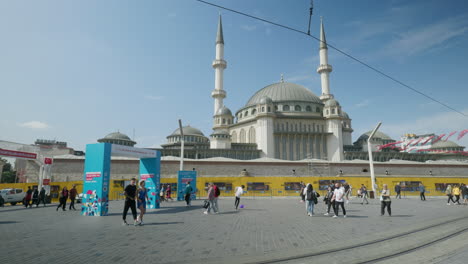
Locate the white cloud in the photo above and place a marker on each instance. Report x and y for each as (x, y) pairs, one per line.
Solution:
(363, 103)
(428, 37)
(154, 97)
(442, 123)
(34, 125)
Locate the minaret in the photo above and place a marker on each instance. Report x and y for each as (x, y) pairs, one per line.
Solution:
(324, 68)
(219, 64)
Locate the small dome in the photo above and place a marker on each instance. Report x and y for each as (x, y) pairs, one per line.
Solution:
(224, 111)
(445, 144)
(117, 135)
(284, 91)
(332, 103)
(265, 100)
(345, 115)
(377, 135)
(188, 130)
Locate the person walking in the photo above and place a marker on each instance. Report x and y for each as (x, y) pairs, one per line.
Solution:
(338, 197)
(130, 197)
(385, 201)
(422, 190)
(302, 192)
(398, 191)
(348, 189)
(311, 199)
(456, 193)
(35, 197)
(42, 195)
(328, 200)
(364, 194)
(142, 198)
(162, 193)
(27, 198)
(448, 192)
(210, 197)
(239, 192)
(188, 193)
(168, 192)
(73, 193)
(464, 192)
(217, 193)
(63, 199)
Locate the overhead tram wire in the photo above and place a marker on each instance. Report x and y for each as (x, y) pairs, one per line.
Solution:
(340, 51)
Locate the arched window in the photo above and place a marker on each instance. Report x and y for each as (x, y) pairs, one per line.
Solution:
(263, 109)
(285, 107)
(234, 137)
(242, 136)
(254, 111)
(269, 109)
(308, 108)
(317, 109)
(252, 135)
(240, 115)
(224, 121)
(297, 108)
(333, 111)
(339, 111)
(246, 113)
(276, 108)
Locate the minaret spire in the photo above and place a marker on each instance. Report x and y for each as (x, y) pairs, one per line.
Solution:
(219, 64)
(324, 68)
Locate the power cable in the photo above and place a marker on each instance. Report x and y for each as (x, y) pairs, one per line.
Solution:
(340, 51)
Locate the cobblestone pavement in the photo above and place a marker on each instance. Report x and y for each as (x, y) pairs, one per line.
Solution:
(178, 234)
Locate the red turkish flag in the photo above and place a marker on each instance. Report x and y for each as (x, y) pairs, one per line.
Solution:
(47, 161)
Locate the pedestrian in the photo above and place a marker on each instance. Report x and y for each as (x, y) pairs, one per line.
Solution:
(398, 191)
(301, 193)
(448, 192)
(142, 198)
(311, 199)
(217, 193)
(385, 201)
(348, 189)
(422, 190)
(42, 195)
(162, 193)
(63, 198)
(35, 197)
(73, 193)
(210, 197)
(239, 192)
(168, 192)
(188, 193)
(338, 197)
(328, 200)
(364, 194)
(130, 197)
(464, 191)
(456, 193)
(27, 198)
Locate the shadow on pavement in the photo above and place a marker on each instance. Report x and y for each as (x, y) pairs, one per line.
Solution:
(8, 222)
(230, 212)
(402, 215)
(357, 216)
(164, 223)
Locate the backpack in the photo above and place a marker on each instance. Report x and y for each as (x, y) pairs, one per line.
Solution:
(217, 192)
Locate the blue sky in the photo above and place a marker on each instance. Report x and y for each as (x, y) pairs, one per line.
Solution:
(77, 70)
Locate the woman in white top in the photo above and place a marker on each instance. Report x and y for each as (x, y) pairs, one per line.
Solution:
(239, 192)
(385, 201)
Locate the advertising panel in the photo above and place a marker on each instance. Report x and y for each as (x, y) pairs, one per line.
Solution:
(183, 178)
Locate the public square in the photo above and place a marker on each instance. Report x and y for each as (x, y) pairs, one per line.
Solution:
(266, 230)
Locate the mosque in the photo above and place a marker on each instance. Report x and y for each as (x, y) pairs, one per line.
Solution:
(283, 121)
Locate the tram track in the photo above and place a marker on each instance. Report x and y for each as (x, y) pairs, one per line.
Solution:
(396, 245)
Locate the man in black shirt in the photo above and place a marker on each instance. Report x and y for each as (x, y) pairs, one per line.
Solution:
(130, 197)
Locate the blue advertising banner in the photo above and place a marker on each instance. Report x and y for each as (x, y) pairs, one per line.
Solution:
(183, 178)
(96, 180)
(150, 172)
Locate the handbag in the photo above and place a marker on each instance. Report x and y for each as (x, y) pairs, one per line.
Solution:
(206, 204)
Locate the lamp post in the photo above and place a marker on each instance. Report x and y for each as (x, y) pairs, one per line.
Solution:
(181, 168)
(371, 161)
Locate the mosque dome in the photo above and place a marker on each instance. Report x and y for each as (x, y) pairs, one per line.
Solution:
(284, 91)
(345, 115)
(332, 103)
(223, 111)
(265, 100)
(188, 131)
(377, 135)
(117, 138)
